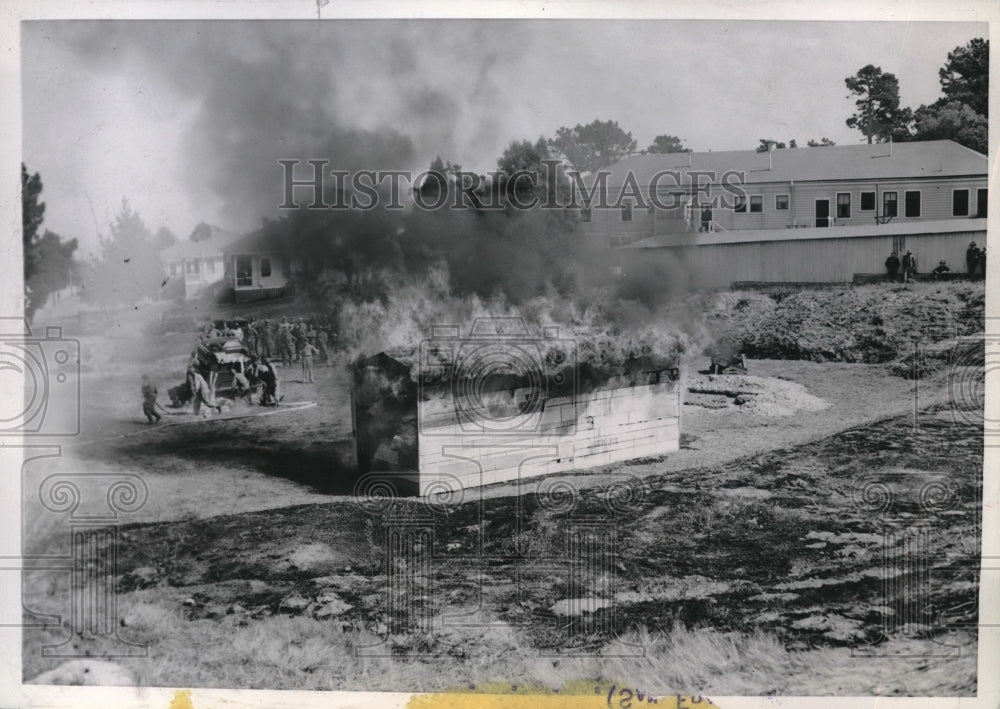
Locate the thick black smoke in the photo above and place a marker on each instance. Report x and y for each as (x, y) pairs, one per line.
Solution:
(379, 95)
(382, 96)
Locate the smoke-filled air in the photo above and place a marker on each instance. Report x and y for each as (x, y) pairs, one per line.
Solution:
(387, 276)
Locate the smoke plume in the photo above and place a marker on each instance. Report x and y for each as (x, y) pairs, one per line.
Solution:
(389, 96)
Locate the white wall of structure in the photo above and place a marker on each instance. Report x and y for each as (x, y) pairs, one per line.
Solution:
(569, 433)
(831, 255)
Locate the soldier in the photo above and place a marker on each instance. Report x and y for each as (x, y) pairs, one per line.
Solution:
(203, 395)
(939, 272)
(299, 335)
(241, 385)
(268, 375)
(321, 341)
(909, 266)
(285, 345)
(252, 339)
(193, 367)
(267, 347)
(149, 400)
(892, 266)
(972, 258)
(308, 351)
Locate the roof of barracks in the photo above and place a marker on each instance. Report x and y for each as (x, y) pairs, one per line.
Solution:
(879, 161)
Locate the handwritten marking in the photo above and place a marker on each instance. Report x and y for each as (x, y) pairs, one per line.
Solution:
(573, 695)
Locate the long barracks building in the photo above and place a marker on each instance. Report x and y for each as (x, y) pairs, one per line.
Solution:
(797, 214)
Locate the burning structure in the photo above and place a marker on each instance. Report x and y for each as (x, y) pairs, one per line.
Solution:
(499, 405)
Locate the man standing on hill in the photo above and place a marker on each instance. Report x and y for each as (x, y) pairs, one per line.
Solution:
(892, 266)
(909, 267)
(972, 258)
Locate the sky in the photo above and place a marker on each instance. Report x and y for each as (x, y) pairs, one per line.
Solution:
(187, 119)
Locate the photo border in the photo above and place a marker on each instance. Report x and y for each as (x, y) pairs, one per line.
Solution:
(12, 692)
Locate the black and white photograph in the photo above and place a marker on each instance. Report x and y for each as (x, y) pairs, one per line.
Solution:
(520, 356)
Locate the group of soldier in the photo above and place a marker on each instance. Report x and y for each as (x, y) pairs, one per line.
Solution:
(289, 340)
(196, 388)
(975, 264)
(267, 342)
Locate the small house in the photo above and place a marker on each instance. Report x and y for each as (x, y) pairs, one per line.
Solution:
(196, 264)
(257, 267)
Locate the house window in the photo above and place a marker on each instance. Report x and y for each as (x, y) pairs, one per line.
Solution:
(211, 265)
(867, 201)
(175, 269)
(912, 204)
(741, 205)
(981, 198)
(781, 202)
(960, 203)
(244, 271)
(265, 267)
(890, 205)
(626, 212)
(757, 204)
(843, 205)
(191, 266)
(586, 214)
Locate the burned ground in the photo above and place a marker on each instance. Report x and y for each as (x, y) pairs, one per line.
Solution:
(790, 543)
(751, 561)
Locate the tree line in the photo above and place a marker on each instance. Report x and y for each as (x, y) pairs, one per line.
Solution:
(960, 114)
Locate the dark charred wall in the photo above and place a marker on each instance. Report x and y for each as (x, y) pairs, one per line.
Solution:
(384, 408)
